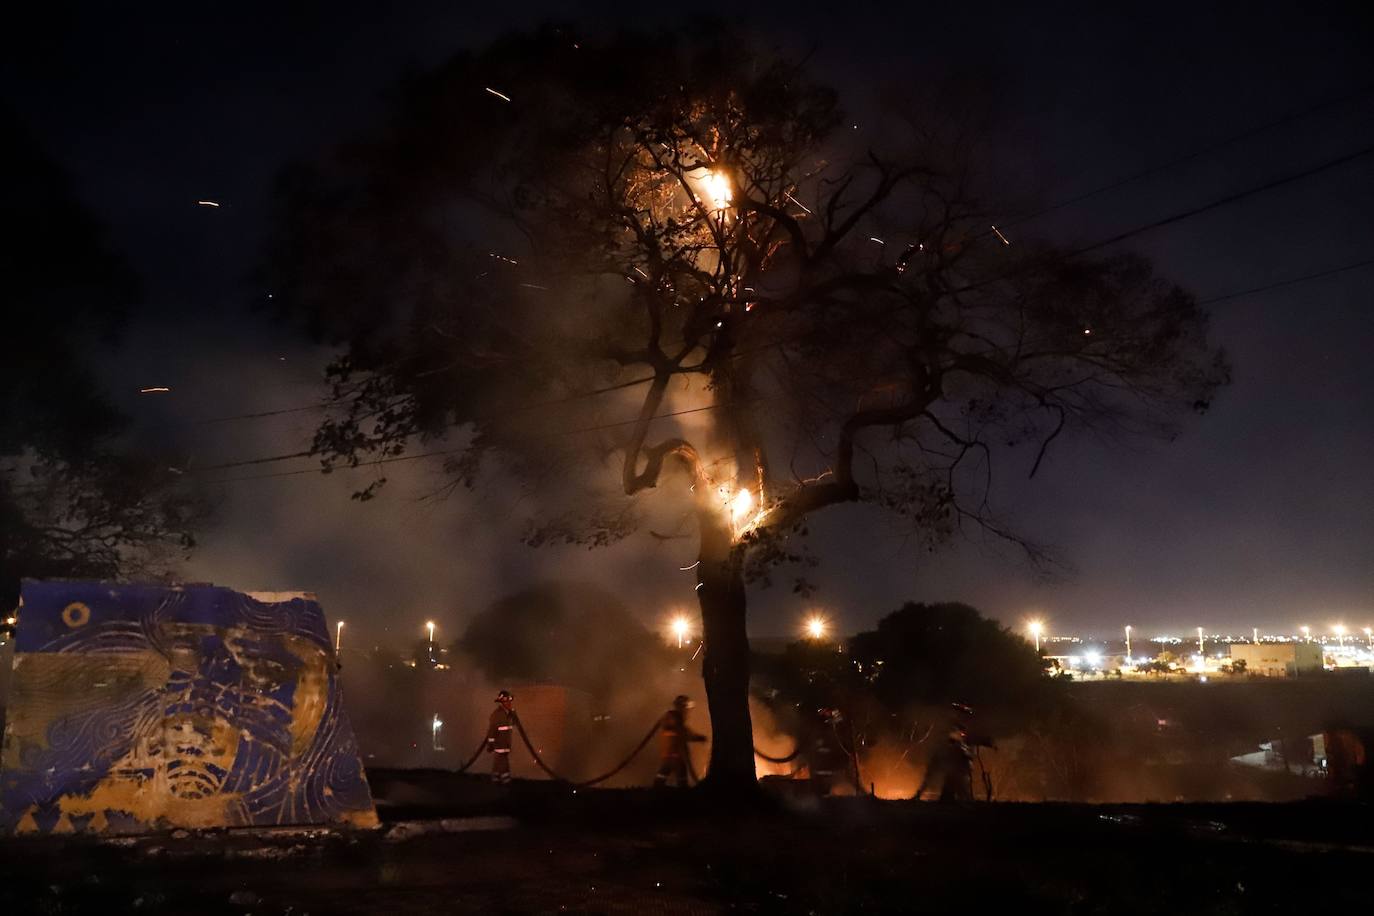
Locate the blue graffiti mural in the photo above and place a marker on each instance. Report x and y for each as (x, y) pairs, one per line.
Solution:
(137, 707)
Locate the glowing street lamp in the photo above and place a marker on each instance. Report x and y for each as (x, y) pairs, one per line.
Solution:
(1036, 628)
(429, 625)
(1369, 636)
(1306, 633)
(435, 727)
(1128, 643)
(1339, 630)
(1200, 650)
(816, 627)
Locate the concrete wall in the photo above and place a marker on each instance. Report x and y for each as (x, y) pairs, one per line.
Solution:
(1279, 659)
(136, 707)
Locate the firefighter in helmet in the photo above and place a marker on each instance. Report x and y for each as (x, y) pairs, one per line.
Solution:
(498, 737)
(673, 735)
(951, 764)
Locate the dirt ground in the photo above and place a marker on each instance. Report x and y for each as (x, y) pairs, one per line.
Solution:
(456, 845)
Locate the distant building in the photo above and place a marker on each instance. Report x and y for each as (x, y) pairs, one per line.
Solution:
(1278, 659)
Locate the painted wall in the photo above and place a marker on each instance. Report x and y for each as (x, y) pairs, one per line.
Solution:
(142, 707)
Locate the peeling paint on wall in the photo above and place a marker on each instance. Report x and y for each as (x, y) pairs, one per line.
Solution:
(139, 707)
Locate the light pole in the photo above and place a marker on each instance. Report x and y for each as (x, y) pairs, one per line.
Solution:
(1200, 650)
(1306, 633)
(1036, 628)
(679, 629)
(1254, 634)
(429, 625)
(1128, 643)
(1339, 630)
(1369, 636)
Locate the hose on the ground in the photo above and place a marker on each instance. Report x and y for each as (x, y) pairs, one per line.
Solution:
(586, 783)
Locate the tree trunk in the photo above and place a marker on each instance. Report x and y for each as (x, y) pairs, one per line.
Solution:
(725, 667)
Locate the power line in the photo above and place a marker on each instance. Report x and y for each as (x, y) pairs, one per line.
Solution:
(453, 451)
(1181, 215)
(1290, 281)
(1225, 200)
(1189, 213)
(1231, 140)
(1195, 154)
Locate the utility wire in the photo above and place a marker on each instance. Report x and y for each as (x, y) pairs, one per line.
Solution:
(1275, 284)
(1288, 282)
(1180, 216)
(1246, 134)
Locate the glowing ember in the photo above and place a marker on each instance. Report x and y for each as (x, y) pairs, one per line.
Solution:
(740, 505)
(718, 189)
(680, 627)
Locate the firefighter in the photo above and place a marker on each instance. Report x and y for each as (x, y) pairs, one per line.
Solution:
(951, 764)
(673, 735)
(498, 737)
(826, 756)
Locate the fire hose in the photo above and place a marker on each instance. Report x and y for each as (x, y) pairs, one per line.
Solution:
(586, 783)
(473, 759)
(788, 759)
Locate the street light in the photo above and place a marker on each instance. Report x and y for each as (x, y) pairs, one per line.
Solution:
(434, 730)
(1200, 650)
(1128, 643)
(1036, 628)
(816, 626)
(679, 629)
(1339, 630)
(1306, 633)
(1369, 635)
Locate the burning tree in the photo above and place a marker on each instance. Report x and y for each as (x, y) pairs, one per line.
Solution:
(656, 264)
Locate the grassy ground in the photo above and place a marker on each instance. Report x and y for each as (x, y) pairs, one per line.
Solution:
(456, 845)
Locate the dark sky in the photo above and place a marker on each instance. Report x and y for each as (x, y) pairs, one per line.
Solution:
(1260, 515)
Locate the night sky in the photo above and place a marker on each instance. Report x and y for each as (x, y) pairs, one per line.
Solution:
(1259, 515)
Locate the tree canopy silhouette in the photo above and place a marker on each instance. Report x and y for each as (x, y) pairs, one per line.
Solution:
(77, 498)
(663, 265)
